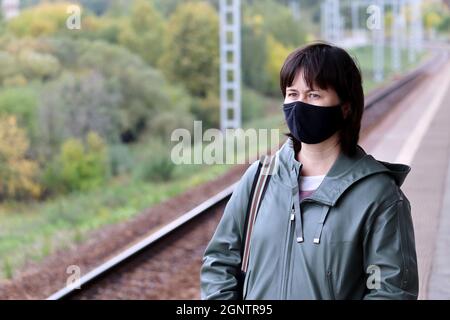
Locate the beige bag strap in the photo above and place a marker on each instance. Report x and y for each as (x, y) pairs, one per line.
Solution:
(256, 197)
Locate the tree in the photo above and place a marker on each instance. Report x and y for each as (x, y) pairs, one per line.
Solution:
(21, 102)
(277, 20)
(9, 67)
(277, 53)
(254, 54)
(268, 31)
(27, 59)
(37, 65)
(74, 105)
(191, 56)
(79, 166)
(166, 7)
(99, 7)
(18, 174)
(42, 19)
(174, 115)
(143, 89)
(143, 34)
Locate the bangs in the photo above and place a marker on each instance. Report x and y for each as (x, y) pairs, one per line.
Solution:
(317, 64)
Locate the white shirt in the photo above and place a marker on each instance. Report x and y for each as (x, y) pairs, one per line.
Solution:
(310, 183)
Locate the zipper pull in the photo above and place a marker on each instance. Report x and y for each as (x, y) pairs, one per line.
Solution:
(292, 214)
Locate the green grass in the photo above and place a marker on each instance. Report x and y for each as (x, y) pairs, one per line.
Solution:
(32, 231)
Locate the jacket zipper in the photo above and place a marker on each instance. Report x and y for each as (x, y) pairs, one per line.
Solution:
(246, 281)
(288, 253)
(330, 285)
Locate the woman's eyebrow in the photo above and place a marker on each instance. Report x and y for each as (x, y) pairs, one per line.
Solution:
(314, 89)
(304, 91)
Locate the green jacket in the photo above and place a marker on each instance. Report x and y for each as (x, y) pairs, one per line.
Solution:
(357, 231)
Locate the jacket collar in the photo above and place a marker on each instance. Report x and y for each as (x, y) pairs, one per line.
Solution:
(344, 172)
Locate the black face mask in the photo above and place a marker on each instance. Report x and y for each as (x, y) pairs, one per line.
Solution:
(312, 124)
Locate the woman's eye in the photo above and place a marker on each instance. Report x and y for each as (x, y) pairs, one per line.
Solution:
(314, 96)
(292, 95)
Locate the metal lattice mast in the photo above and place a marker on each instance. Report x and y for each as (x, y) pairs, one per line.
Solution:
(355, 18)
(295, 8)
(331, 21)
(395, 35)
(414, 41)
(415, 30)
(403, 22)
(378, 44)
(10, 8)
(324, 18)
(230, 64)
(336, 20)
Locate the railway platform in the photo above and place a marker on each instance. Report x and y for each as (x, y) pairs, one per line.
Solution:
(417, 133)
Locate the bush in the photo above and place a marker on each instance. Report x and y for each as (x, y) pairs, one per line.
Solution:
(252, 105)
(154, 164)
(208, 110)
(79, 167)
(175, 115)
(22, 103)
(18, 174)
(143, 33)
(191, 54)
(43, 19)
(37, 65)
(120, 159)
(27, 64)
(142, 88)
(91, 103)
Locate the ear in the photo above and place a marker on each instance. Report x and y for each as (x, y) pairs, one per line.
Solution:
(346, 109)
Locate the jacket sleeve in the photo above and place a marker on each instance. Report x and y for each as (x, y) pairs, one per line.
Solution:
(222, 258)
(389, 253)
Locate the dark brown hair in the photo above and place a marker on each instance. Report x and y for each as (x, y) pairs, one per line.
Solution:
(328, 66)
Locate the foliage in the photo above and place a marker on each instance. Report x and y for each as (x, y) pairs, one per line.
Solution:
(26, 61)
(18, 173)
(22, 103)
(120, 160)
(79, 166)
(74, 105)
(254, 54)
(277, 20)
(43, 19)
(252, 105)
(277, 53)
(143, 32)
(191, 56)
(154, 163)
(176, 114)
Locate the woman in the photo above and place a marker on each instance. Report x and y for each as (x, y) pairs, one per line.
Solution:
(333, 223)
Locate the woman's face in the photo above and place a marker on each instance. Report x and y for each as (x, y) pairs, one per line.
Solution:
(299, 91)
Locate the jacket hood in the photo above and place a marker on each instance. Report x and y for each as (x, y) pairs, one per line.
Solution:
(345, 171)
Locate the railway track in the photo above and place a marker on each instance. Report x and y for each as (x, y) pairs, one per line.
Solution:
(165, 265)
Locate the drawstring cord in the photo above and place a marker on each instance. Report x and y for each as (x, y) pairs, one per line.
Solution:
(299, 222)
(296, 214)
(319, 229)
